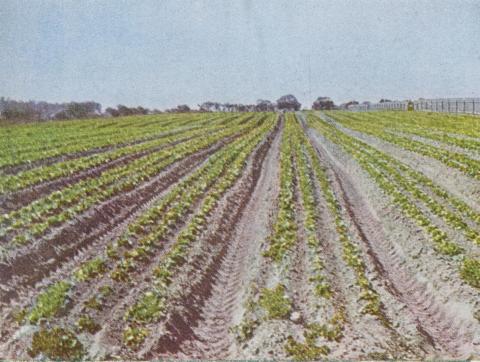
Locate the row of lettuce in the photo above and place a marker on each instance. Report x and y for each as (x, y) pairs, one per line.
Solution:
(34, 220)
(24, 144)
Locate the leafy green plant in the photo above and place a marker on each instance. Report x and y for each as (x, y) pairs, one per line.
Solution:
(470, 272)
(93, 303)
(275, 302)
(86, 324)
(91, 269)
(50, 302)
(305, 351)
(133, 337)
(147, 309)
(56, 344)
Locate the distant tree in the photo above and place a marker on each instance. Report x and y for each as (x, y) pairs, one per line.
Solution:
(113, 112)
(20, 111)
(82, 110)
(207, 106)
(124, 110)
(288, 102)
(141, 110)
(183, 108)
(227, 107)
(264, 105)
(323, 103)
(32, 110)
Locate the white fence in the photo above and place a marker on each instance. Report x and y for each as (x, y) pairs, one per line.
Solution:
(379, 106)
(450, 105)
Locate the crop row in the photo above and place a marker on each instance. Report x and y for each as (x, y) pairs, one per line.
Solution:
(351, 251)
(333, 330)
(382, 169)
(148, 233)
(409, 180)
(423, 125)
(455, 160)
(460, 126)
(57, 134)
(61, 206)
(34, 176)
(39, 141)
(153, 303)
(300, 168)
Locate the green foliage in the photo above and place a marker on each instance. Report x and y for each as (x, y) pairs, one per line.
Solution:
(50, 302)
(90, 270)
(284, 234)
(86, 324)
(244, 330)
(56, 344)
(133, 337)
(61, 206)
(470, 272)
(19, 315)
(275, 302)
(96, 302)
(147, 309)
(93, 303)
(210, 181)
(304, 351)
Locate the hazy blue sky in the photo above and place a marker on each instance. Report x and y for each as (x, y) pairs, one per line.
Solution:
(163, 53)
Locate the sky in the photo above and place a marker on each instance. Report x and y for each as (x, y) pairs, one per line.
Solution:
(163, 53)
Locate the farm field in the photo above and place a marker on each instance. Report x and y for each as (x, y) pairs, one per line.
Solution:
(303, 235)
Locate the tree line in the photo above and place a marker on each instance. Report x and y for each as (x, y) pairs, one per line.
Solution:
(32, 111)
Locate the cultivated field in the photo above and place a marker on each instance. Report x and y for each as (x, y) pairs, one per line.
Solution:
(255, 235)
